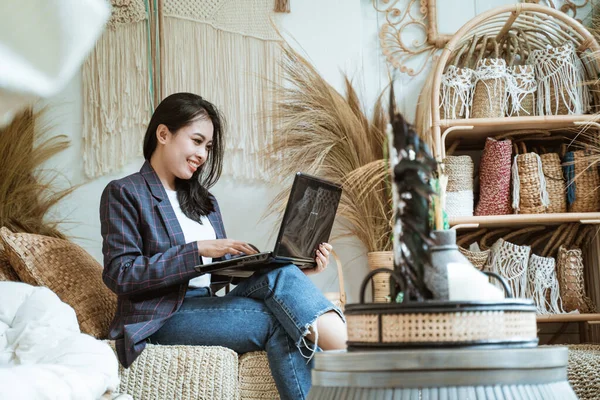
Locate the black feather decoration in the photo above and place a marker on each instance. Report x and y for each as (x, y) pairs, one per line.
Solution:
(413, 169)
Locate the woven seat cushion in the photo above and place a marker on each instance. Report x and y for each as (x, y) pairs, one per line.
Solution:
(256, 381)
(67, 270)
(6, 271)
(584, 370)
(182, 373)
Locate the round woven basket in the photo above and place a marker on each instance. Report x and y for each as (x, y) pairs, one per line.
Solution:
(508, 323)
(479, 259)
(381, 282)
(555, 183)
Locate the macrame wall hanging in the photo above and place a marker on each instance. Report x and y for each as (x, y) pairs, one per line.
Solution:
(117, 95)
(227, 52)
(224, 50)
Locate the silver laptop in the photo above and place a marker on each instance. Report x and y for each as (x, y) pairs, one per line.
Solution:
(306, 223)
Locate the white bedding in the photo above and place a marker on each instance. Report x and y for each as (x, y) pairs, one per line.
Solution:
(43, 355)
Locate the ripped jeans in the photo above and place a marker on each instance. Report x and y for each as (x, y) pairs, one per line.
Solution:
(271, 311)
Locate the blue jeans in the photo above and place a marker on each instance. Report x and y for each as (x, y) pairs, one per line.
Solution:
(272, 311)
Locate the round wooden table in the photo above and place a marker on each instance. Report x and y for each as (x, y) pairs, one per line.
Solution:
(445, 374)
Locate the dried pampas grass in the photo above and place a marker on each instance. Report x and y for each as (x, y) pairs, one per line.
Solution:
(320, 132)
(26, 191)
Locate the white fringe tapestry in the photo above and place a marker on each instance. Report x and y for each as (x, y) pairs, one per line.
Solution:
(510, 262)
(223, 51)
(543, 285)
(559, 73)
(116, 91)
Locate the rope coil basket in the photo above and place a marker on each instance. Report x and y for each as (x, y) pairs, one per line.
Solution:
(459, 190)
(582, 183)
(494, 178)
(555, 183)
(511, 323)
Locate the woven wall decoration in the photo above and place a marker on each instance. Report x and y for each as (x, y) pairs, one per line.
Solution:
(117, 98)
(224, 50)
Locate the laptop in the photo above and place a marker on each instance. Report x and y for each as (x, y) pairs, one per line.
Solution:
(307, 222)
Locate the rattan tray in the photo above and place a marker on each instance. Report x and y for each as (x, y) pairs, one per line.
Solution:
(508, 323)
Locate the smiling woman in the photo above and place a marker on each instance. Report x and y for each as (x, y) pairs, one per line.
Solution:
(160, 228)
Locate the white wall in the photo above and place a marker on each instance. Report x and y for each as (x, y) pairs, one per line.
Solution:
(337, 36)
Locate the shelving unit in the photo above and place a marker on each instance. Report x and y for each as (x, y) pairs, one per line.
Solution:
(472, 134)
(517, 220)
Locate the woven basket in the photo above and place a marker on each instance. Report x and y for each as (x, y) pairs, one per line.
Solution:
(559, 72)
(542, 284)
(256, 381)
(510, 262)
(543, 27)
(555, 183)
(440, 323)
(529, 185)
(570, 278)
(582, 183)
(479, 258)
(584, 370)
(489, 95)
(459, 191)
(7, 273)
(522, 86)
(381, 282)
(181, 372)
(494, 178)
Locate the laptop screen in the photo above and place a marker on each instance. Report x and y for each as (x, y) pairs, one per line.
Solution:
(308, 217)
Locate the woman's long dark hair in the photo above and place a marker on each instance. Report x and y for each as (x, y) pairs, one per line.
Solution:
(179, 110)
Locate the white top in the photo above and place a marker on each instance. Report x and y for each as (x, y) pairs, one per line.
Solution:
(193, 231)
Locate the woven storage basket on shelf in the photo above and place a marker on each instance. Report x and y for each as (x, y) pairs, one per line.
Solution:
(494, 178)
(408, 324)
(543, 27)
(457, 83)
(478, 258)
(510, 262)
(381, 282)
(555, 183)
(529, 185)
(459, 191)
(489, 94)
(542, 285)
(560, 75)
(570, 278)
(582, 183)
(521, 83)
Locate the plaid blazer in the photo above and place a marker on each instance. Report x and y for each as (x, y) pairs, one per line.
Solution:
(146, 260)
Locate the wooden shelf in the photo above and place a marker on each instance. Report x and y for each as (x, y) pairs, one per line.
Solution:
(524, 219)
(484, 127)
(542, 319)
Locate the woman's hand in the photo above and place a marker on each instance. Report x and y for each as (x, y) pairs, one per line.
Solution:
(322, 259)
(219, 247)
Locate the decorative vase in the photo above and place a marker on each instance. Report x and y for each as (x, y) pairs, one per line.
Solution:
(444, 252)
(381, 282)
